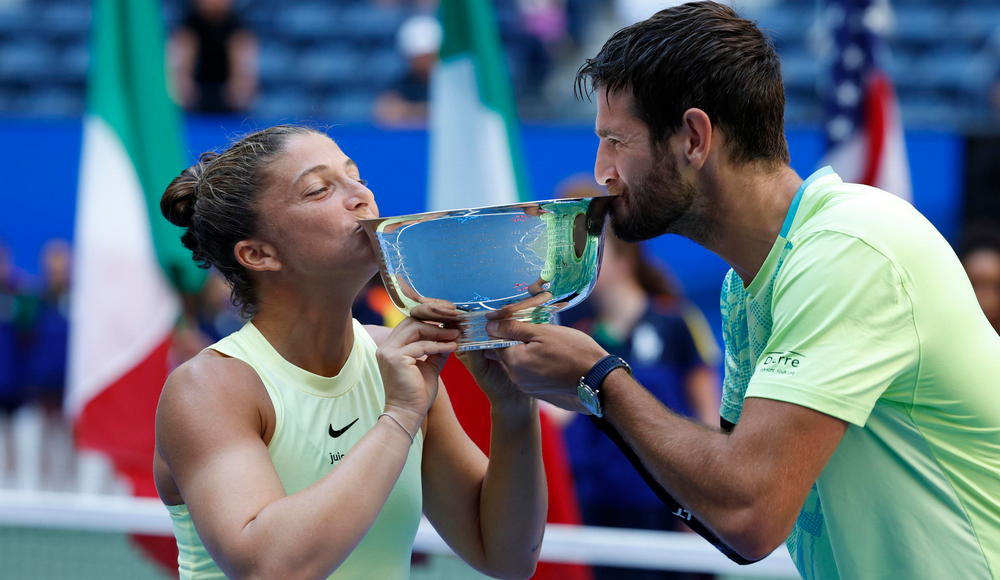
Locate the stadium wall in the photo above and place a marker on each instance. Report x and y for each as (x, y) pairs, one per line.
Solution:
(41, 157)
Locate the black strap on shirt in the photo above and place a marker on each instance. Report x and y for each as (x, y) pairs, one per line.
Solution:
(673, 505)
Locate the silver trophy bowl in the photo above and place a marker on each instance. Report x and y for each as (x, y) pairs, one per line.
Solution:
(523, 261)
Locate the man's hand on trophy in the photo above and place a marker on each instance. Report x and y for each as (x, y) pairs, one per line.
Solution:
(551, 361)
(519, 308)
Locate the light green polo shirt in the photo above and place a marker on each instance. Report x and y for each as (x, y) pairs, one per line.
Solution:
(863, 312)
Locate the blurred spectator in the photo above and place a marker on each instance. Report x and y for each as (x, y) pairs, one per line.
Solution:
(405, 102)
(530, 30)
(44, 437)
(544, 19)
(995, 94)
(218, 316)
(10, 396)
(578, 16)
(207, 316)
(637, 313)
(214, 59)
(632, 11)
(980, 255)
(49, 329)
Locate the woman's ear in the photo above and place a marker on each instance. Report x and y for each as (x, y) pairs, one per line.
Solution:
(257, 256)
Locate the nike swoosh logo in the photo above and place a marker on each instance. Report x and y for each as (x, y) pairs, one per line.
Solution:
(338, 432)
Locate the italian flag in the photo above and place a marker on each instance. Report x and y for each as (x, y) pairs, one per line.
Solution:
(475, 145)
(128, 259)
(476, 161)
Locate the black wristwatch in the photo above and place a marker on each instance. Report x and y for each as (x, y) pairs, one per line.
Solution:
(589, 387)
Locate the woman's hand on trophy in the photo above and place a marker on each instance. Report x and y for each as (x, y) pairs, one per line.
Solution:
(493, 379)
(437, 311)
(549, 364)
(410, 360)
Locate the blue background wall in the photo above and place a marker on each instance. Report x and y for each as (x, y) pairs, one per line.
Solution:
(41, 159)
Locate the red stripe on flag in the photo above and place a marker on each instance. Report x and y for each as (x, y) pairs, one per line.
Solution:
(119, 420)
(876, 126)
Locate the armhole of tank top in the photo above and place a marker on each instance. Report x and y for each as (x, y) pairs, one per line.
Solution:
(274, 398)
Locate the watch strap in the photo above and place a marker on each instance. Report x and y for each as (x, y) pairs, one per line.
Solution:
(601, 369)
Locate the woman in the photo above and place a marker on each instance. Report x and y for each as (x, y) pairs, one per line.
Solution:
(293, 448)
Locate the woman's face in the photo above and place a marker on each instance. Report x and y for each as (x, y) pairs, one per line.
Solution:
(310, 207)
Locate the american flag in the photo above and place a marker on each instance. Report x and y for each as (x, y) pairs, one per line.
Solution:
(864, 135)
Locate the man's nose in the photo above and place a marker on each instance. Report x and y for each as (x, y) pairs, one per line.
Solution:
(604, 166)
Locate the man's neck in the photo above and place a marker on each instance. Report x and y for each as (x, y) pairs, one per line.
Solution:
(750, 208)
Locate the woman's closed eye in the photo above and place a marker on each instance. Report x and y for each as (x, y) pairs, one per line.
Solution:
(318, 191)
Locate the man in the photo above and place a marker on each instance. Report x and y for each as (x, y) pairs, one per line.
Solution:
(861, 375)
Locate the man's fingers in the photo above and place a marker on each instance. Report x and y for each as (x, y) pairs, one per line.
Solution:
(512, 329)
(526, 304)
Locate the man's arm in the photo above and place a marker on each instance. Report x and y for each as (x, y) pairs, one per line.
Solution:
(747, 486)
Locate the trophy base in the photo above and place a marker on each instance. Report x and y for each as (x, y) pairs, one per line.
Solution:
(475, 337)
(485, 344)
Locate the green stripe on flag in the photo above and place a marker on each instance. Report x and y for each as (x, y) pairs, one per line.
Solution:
(470, 30)
(127, 88)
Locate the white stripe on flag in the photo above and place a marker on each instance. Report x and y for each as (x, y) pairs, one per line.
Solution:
(470, 153)
(894, 168)
(122, 306)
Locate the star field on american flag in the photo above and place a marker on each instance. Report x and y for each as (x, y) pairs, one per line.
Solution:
(854, 44)
(862, 127)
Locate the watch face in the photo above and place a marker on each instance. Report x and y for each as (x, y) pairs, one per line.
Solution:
(589, 399)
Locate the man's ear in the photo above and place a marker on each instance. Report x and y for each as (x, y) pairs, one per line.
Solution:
(697, 130)
(257, 256)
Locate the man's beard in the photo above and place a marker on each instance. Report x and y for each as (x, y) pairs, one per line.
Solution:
(660, 202)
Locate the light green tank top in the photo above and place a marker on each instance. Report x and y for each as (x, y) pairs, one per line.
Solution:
(317, 422)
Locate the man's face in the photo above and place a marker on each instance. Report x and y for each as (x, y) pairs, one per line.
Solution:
(652, 194)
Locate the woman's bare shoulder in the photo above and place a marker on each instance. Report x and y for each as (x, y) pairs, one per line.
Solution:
(211, 382)
(209, 369)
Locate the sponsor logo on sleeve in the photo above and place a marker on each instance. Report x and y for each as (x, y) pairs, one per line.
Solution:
(780, 363)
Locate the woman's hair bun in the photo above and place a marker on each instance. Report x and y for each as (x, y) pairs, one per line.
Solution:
(177, 203)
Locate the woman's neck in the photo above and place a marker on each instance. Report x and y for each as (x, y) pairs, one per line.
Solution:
(314, 335)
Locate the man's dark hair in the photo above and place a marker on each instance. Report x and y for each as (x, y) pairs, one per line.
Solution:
(701, 55)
